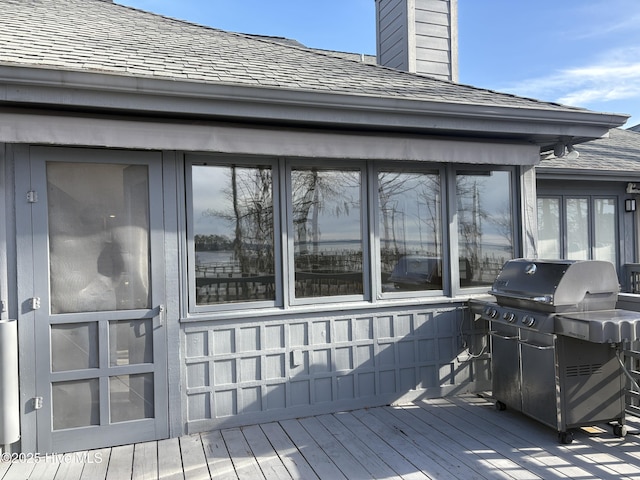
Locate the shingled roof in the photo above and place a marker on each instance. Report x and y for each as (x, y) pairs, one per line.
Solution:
(103, 37)
(615, 155)
(98, 37)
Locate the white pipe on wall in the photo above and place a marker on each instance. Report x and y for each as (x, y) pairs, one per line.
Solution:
(9, 389)
(4, 294)
(9, 398)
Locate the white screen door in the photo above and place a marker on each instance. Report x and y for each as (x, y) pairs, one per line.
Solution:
(99, 329)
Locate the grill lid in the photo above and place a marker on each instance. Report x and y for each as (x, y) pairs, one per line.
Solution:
(557, 285)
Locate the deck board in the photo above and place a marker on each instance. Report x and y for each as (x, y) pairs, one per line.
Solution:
(169, 459)
(19, 470)
(341, 456)
(431, 440)
(472, 443)
(289, 455)
(270, 464)
(396, 461)
(69, 470)
(120, 463)
(96, 464)
(502, 432)
(193, 460)
(453, 437)
(242, 457)
(351, 441)
(489, 439)
(217, 456)
(145, 461)
(44, 471)
(321, 463)
(572, 463)
(428, 463)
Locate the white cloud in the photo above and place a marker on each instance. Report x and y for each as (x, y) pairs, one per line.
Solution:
(604, 94)
(614, 78)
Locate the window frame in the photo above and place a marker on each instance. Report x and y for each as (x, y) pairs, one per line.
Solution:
(245, 161)
(591, 227)
(515, 195)
(426, 168)
(289, 254)
(284, 237)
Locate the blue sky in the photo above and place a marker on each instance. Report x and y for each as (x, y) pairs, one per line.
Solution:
(584, 53)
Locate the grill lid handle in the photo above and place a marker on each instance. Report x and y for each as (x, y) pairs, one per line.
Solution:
(547, 299)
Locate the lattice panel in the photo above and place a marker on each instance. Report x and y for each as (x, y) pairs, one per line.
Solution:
(234, 370)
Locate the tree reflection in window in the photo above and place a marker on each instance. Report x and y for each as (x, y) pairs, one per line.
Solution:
(485, 225)
(233, 233)
(410, 226)
(327, 232)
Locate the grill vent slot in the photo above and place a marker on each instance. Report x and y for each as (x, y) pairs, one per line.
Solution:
(583, 370)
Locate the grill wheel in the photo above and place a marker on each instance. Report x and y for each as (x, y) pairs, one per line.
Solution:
(565, 437)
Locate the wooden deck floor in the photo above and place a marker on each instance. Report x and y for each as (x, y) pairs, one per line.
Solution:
(451, 438)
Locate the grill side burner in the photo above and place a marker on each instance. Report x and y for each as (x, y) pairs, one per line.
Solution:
(555, 338)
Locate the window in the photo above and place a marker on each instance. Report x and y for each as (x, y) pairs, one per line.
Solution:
(326, 222)
(233, 233)
(604, 219)
(577, 210)
(549, 241)
(287, 232)
(98, 237)
(485, 225)
(410, 231)
(577, 228)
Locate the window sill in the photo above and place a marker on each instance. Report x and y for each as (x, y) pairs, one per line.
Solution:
(357, 308)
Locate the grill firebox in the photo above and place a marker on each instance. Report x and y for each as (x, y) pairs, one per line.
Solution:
(556, 339)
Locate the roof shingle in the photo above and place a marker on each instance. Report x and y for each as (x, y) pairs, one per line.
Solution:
(98, 36)
(620, 152)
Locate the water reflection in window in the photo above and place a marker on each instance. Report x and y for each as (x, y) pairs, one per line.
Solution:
(327, 232)
(410, 226)
(233, 233)
(485, 225)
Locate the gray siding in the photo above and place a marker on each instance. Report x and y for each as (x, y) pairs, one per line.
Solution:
(419, 36)
(392, 34)
(272, 369)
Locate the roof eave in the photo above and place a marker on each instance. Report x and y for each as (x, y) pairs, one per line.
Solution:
(559, 173)
(25, 86)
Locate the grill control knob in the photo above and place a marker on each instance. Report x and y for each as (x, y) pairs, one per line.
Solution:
(490, 312)
(529, 320)
(509, 317)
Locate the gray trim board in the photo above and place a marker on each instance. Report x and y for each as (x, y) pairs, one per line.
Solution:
(539, 122)
(24, 128)
(174, 271)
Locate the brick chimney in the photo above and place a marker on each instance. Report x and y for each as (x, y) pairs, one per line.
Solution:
(419, 36)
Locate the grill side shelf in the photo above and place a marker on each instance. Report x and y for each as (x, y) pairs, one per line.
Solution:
(604, 326)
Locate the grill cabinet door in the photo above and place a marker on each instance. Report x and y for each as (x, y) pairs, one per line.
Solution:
(505, 365)
(539, 386)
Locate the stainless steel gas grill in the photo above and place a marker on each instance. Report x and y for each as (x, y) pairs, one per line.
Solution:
(556, 339)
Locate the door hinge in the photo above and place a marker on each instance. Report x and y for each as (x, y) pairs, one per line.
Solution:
(37, 403)
(35, 303)
(32, 196)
